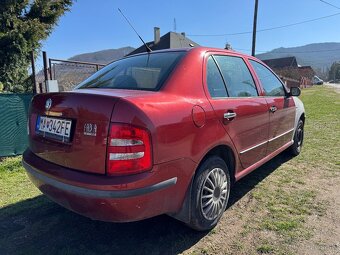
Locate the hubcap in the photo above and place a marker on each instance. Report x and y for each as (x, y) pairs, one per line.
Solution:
(214, 194)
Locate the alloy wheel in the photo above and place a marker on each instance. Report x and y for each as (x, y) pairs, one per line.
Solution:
(214, 194)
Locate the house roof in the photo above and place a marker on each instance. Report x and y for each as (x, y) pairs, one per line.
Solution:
(281, 62)
(306, 71)
(170, 40)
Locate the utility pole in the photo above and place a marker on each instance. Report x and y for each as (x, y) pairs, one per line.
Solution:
(254, 28)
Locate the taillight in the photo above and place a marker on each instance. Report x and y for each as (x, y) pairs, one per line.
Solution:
(129, 150)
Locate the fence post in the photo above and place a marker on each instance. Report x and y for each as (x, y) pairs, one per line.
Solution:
(45, 65)
(41, 87)
(50, 68)
(33, 73)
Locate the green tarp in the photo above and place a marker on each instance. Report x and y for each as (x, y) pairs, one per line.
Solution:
(13, 123)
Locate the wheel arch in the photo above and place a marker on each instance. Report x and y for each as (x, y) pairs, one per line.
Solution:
(302, 117)
(227, 154)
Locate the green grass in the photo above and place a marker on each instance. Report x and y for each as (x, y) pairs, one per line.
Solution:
(281, 196)
(14, 184)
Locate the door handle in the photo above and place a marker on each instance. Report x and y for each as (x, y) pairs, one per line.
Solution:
(229, 115)
(273, 108)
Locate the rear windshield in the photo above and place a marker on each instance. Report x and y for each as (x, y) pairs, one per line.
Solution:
(141, 72)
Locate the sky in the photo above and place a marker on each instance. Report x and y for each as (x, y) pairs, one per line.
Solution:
(97, 25)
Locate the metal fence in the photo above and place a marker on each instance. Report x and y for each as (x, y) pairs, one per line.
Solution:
(71, 73)
(13, 123)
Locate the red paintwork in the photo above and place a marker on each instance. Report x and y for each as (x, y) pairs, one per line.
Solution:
(184, 123)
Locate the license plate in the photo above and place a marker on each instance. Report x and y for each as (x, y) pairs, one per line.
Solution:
(55, 128)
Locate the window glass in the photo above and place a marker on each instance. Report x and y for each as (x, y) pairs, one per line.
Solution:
(237, 76)
(141, 72)
(270, 83)
(214, 80)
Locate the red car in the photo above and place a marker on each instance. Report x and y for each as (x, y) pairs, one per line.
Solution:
(166, 132)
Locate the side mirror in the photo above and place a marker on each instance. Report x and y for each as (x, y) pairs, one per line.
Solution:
(295, 91)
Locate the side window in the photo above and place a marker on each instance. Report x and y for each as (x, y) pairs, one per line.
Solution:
(270, 83)
(214, 80)
(237, 76)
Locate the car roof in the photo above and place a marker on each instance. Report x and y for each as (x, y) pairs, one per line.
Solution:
(196, 48)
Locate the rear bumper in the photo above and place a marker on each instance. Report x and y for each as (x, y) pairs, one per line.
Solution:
(117, 199)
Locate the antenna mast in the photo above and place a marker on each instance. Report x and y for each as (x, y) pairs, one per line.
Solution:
(146, 46)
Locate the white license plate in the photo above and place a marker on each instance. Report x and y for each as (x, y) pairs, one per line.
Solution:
(54, 128)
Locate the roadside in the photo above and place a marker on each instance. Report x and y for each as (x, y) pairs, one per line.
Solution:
(287, 206)
(334, 85)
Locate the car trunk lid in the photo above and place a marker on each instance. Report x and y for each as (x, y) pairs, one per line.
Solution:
(82, 119)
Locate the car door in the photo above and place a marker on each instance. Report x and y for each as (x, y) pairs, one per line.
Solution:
(233, 95)
(282, 108)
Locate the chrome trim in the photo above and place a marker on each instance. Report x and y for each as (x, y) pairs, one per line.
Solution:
(126, 156)
(48, 104)
(270, 140)
(98, 193)
(251, 148)
(125, 142)
(229, 115)
(278, 136)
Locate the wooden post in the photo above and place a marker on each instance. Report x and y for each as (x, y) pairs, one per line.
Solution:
(33, 73)
(50, 68)
(41, 87)
(45, 68)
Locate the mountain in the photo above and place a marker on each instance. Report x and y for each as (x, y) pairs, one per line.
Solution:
(318, 55)
(103, 56)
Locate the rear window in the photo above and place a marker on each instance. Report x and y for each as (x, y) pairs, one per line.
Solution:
(142, 72)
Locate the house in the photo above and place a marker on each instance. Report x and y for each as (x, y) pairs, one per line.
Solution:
(277, 63)
(291, 72)
(170, 40)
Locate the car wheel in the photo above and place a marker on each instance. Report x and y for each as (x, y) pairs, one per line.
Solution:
(210, 194)
(295, 149)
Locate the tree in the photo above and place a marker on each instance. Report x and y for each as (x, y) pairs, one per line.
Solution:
(24, 24)
(334, 72)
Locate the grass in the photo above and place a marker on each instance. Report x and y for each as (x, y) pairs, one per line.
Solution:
(14, 184)
(273, 205)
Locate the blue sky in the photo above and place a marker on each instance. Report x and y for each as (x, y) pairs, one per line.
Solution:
(97, 25)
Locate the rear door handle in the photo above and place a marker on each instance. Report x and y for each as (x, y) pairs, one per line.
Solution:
(229, 115)
(273, 108)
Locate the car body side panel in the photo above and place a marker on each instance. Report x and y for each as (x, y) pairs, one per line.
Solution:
(249, 129)
(281, 122)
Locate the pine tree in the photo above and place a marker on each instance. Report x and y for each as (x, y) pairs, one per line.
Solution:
(24, 24)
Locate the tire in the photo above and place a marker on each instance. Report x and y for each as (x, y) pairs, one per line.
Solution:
(210, 194)
(295, 149)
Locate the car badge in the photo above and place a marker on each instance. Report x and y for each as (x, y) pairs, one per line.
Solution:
(90, 129)
(48, 104)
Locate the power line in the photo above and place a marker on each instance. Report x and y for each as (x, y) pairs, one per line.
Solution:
(325, 2)
(270, 28)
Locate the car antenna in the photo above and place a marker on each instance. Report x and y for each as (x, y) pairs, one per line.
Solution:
(146, 46)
